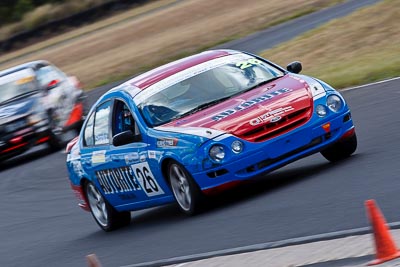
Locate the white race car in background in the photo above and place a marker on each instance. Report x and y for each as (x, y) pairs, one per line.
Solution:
(38, 104)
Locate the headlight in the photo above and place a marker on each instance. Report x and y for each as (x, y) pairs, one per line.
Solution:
(217, 153)
(237, 146)
(321, 110)
(334, 103)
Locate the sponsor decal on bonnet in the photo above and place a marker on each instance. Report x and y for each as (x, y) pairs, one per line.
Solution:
(272, 116)
(247, 104)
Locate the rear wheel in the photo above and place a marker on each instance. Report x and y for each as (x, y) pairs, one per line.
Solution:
(341, 149)
(55, 141)
(186, 191)
(104, 214)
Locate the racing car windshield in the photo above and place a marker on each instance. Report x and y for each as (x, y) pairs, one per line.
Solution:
(203, 86)
(16, 84)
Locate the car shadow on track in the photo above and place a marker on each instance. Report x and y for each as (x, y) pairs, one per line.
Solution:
(246, 191)
(273, 181)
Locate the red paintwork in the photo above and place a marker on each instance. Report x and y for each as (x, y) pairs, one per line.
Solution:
(76, 114)
(53, 83)
(222, 188)
(42, 140)
(71, 144)
(83, 203)
(151, 77)
(16, 140)
(14, 147)
(238, 123)
(348, 134)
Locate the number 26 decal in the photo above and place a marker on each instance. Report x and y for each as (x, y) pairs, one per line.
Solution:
(146, 179)
(249, 63)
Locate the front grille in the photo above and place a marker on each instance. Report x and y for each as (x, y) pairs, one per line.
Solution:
(273, 129)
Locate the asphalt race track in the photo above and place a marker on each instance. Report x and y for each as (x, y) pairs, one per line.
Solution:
(42, 226)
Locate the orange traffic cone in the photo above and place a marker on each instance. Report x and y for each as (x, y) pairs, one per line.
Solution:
(384, 245)
(93, 261)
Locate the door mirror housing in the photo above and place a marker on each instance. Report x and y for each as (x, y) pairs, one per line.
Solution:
(53, 84)
(125, 138)
(294, 67)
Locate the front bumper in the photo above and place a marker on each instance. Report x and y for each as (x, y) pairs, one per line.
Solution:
(264, 157)
(15, 143)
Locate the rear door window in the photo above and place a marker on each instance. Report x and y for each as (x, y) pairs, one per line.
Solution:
(88, 132)
(97, 128)
(102, 125)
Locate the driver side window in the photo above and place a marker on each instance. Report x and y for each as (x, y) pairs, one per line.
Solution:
(123, 119)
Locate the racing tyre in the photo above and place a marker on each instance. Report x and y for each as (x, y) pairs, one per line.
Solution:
(341, 149)
(186, 191)
(55, 142)
(55, 134)
(104, 214)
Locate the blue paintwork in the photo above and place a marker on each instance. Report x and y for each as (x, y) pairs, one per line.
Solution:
(192, 152)
(20, 106)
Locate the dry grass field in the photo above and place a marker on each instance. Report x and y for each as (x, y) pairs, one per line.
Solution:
(45, 13)
(117, 48)
(360, 48)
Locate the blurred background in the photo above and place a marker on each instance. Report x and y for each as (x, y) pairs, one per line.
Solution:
(103, 42)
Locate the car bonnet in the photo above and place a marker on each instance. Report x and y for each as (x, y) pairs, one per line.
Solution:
(275, 107)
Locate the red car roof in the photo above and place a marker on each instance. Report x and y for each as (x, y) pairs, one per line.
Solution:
(151, 77)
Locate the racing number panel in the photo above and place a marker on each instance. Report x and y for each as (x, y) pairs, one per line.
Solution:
(123, 173)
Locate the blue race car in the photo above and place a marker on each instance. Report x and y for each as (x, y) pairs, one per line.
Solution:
(199, 124)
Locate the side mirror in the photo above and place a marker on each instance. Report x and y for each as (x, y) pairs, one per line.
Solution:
(53, 84)
(294, 67)
(125, 138)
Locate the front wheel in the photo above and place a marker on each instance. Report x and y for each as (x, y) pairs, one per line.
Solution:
(55, 132)
(186, 191)
(341, 149)
(104, 214)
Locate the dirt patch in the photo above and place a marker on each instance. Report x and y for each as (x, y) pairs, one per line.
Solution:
(128, 47)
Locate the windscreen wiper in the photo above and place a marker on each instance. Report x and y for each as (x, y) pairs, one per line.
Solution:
(261, 83)
(201, 107)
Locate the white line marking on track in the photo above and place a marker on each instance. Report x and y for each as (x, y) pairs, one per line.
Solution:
(369, 84)
(264, 246)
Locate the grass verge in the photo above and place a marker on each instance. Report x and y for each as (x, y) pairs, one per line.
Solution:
(46, 13)
(89, 29)
(142, 42)
(360, 48)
